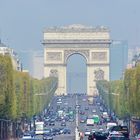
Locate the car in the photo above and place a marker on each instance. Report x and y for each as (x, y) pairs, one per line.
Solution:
(82, 120)
(47, 136)
(71, 120)
(32, 133)
(101, 129)
(27, 136)
(116, 136)
(105, 115)
(65, 103)
(63, 123)
(86, 108)
(98, 103)
(66, 131)
(81, 112)
(47, 119)
(138, 137)
(46, 130)
(77, 106)
(93, 131)
(91, 137)
(110, 124)
(122, 129)
(98, 135)
(101, 109)
(94, 111)
(84, 99)
(51, 123)
(56, 131)
(87, 132)
(59, 102)
(66, 118)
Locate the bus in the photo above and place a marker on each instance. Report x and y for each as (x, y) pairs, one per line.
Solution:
(96, 119)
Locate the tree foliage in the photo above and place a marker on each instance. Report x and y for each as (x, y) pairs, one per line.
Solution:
(123, 96)
(6, 86)
(20, 94)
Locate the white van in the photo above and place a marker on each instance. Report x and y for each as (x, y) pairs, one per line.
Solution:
(90, 122)
(110, 124)
(105, 115)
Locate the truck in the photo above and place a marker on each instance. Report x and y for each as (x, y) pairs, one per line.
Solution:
(90, 122)
(90, 100)
(105, 115)
(60, 113)
(39, 127)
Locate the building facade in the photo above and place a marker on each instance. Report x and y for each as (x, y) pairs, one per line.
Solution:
(118, 59)
(4, 50)
(38, 57)
(92, 43)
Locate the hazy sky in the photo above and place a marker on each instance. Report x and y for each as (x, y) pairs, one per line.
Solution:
(22, 21)
(76, 74)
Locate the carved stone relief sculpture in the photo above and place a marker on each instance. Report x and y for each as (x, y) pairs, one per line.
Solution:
(53, 73)
(54, 56)
(99, 56)
(99, 74)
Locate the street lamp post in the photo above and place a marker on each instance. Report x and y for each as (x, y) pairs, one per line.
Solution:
(128, 114)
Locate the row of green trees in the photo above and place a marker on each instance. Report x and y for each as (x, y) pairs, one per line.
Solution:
(123, 96)
(20, 94)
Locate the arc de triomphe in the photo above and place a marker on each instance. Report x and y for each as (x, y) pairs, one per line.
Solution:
(62, 42)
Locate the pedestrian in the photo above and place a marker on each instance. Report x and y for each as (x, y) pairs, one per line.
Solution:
(81, 136)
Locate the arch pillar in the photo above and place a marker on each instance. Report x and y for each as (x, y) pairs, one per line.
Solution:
(61, 70)
(91, 84)
(61, 90)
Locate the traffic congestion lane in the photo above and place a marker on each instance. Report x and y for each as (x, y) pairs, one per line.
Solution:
(83, 102)
(70, 101)
(67, 101)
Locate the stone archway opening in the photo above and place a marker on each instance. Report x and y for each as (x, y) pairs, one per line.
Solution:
(76, 74)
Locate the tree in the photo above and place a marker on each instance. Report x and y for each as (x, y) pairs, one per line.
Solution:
(18, 92)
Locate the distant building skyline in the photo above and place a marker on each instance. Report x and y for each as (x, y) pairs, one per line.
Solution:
(38, 63)
(135, 50)
(118, 59)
